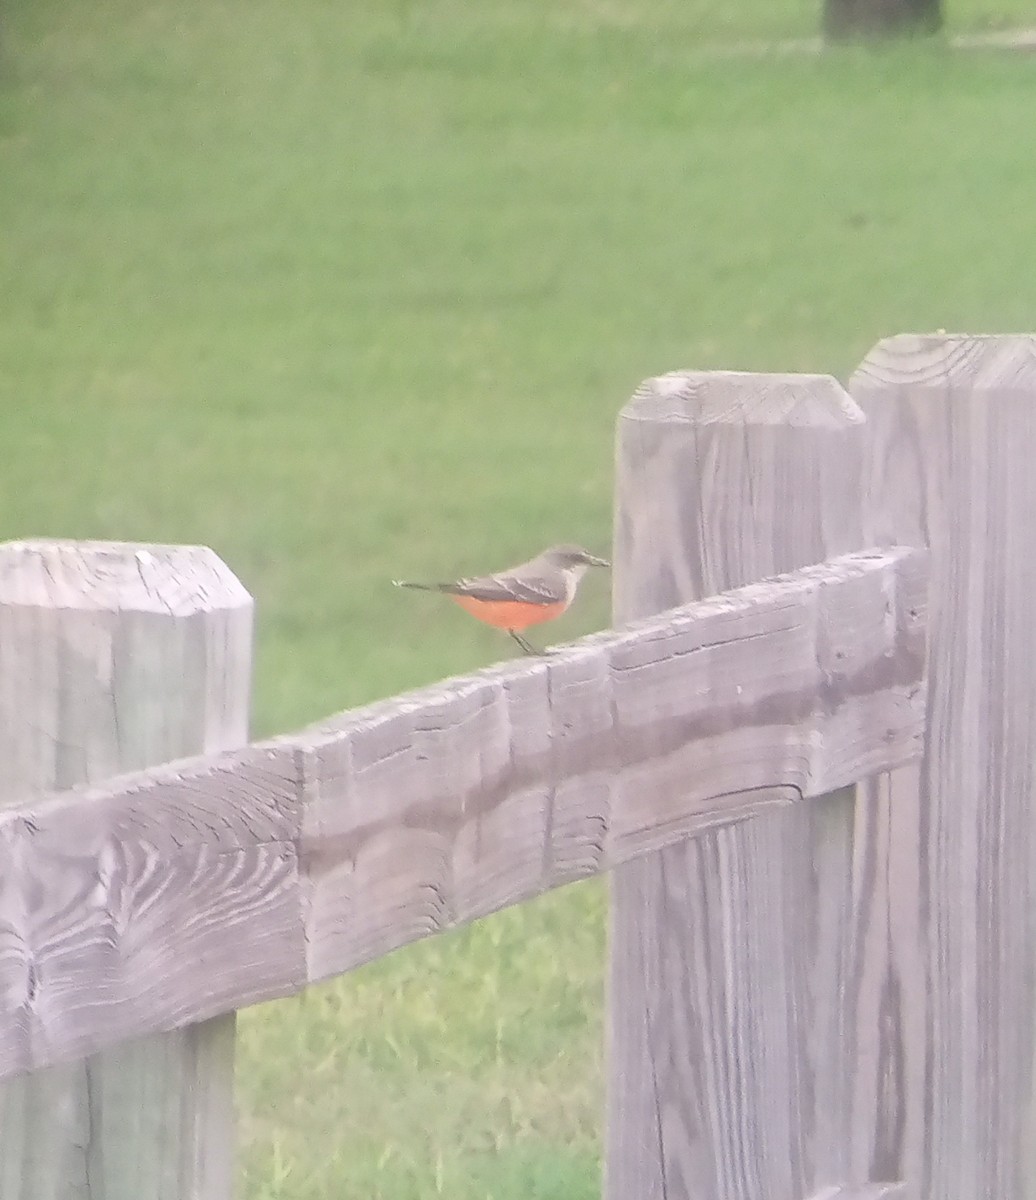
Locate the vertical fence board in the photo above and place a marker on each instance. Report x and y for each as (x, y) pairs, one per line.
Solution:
(112, 658)
(726, 1038)
(952, 464)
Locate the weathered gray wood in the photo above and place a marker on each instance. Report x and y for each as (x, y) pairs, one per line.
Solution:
(867, 1191)
(947, 969)
(117, 903)
(112, 657)
(727, 1062)
(210, 884)
(529, 776)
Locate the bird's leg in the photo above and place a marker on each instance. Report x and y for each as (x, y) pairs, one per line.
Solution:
(528, 647)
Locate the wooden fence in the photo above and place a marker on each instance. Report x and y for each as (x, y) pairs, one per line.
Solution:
(823, 871)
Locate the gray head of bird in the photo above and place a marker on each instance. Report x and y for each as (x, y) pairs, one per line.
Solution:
(573, 558)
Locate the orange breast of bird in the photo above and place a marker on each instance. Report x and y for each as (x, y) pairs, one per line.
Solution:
(510, 614)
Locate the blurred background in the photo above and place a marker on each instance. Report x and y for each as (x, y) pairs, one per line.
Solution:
(355, 291)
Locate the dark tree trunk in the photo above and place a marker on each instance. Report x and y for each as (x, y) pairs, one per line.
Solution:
(848, 19)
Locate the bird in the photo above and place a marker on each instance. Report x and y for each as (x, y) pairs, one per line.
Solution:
(534, 591)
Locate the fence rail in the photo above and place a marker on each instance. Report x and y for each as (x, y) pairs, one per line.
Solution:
(300, 858)
(822, 954)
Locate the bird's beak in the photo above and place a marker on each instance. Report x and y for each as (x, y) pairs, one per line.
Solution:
(593, 561)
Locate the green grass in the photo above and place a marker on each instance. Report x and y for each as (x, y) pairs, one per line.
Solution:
(353, 291)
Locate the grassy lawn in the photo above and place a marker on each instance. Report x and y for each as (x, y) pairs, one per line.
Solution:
(354, 291)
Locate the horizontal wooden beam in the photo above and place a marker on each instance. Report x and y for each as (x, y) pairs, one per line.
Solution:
(175, 894)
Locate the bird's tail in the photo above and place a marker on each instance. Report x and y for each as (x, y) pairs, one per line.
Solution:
(421, 587)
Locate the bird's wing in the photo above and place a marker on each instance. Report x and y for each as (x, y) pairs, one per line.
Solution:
(526, 589)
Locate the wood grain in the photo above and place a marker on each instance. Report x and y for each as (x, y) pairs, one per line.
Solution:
(147, 905)
(113, 657)
(946, 974)
(727, 1054)
(204, 885)
(866, 1191)
(432, 812)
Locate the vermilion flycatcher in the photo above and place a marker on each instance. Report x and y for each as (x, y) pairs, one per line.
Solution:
(536, 591)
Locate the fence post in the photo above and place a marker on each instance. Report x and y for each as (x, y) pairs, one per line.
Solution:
(115, 657)
(951, 433)
(726, 1026)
